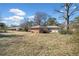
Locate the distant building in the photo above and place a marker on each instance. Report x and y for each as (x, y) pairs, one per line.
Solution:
(44, 29)
(14, 28)
(36, 29)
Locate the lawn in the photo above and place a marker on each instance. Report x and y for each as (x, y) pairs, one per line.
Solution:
(35, 44)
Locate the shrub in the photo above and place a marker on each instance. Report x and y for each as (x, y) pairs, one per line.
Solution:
(62, 31)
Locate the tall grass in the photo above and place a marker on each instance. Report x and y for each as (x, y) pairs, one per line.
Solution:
(75, 41)
(35, 44)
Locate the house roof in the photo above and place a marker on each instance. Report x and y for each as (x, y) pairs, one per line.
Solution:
(37, 26)
(44, 26)
(13, 27)
(52, 26)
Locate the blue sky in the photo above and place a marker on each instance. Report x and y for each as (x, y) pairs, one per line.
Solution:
(10, 12)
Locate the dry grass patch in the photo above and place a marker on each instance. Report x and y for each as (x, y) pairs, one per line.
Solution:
(38, 44)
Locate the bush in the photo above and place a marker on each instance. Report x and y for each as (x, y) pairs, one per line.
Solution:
(76, 31)
(62, 31)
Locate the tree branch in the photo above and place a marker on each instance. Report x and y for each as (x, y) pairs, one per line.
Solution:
(73, 12)
(59, 11)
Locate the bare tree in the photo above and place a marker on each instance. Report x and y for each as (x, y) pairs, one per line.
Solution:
(40, 18)
(69, 10)
(26, 24)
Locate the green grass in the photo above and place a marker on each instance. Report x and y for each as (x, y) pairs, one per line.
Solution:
(35, 44)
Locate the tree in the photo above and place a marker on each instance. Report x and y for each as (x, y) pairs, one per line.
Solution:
(77, 19)
(51, 21)
(69, 10)
(40, 18)
(3, 27)
(75, 23)
(26, 24)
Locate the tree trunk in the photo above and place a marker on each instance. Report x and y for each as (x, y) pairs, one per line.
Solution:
(67, 16)
(68, 25)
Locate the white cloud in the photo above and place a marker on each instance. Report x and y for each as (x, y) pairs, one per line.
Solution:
(74, 7)
(31, 18)
(61, 11)
(17, 12)
(14, 18)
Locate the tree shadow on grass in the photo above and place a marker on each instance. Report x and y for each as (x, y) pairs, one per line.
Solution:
(2, 36)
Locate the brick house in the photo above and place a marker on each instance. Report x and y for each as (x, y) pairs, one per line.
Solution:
(44, 29)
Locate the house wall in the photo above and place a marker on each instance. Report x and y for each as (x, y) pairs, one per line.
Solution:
(53, 29)
(34, 30)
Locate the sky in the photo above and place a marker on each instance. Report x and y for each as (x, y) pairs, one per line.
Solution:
(14, 13)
